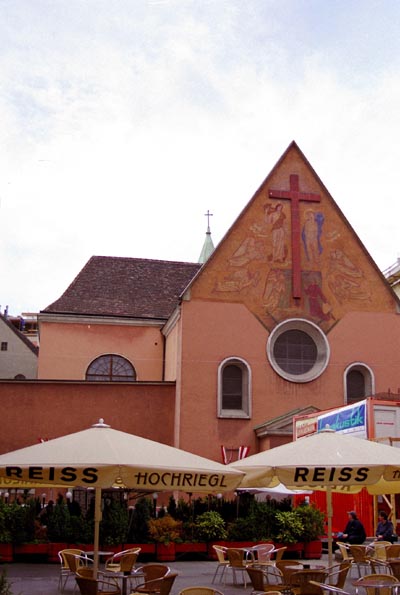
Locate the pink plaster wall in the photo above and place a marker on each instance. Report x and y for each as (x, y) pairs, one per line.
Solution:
(66, 350)
(214, 331)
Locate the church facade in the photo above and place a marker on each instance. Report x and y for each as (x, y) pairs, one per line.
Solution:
(289, 314)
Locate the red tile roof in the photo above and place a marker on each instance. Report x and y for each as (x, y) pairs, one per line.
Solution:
(130, 287)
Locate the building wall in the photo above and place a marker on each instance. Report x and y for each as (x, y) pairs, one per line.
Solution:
(18, 358)
(66, 350)
(35, 410)
(233, 331)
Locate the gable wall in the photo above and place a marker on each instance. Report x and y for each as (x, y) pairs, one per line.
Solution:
(213, 332)
(18, 359)
(67, 349)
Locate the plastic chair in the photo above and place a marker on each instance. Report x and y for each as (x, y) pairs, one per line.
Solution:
(266, 580)
(65, 570)
(92, 586)
(222, 563)
(237, 563)
(153, 575)
(199, 591)
(329, 588)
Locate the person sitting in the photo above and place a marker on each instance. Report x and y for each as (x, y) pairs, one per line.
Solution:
(354, 532)
(384, 530)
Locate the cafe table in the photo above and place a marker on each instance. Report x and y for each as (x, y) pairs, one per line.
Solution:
(377, 583)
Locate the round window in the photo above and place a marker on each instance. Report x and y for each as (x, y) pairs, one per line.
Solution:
(298, 350)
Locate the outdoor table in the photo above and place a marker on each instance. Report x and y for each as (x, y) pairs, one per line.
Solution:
(376, 583)
(101, 553)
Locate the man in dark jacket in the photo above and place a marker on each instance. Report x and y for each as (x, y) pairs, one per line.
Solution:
(354, 531)
(384, 530)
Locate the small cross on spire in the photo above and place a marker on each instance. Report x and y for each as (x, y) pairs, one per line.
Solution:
(208, 215)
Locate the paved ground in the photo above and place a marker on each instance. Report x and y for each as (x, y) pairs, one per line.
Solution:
(42, 579)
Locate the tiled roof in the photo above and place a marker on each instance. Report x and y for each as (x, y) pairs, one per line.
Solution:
(131, 287)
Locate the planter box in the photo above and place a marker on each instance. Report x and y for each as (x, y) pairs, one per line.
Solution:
(53, 549)
(165, 553)
(31, 550)
(182, 548)
(6, 552)
(295, 549)
(312, 550)
(145, 548)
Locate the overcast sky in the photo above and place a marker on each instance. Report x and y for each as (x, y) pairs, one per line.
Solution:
(123, 121)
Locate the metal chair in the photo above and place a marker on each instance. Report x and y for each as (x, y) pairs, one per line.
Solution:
(122, 561)
(93, 586)
(237, 563)
(65, 570)
(393, 551)
(262, 554)
(329, 588)
(266, 580)
(199, 591)
(360, 556)
(153, 576)
(301, 581)
(222, 563)
(337, 574)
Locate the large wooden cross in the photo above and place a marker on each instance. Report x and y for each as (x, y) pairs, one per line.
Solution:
(295, 196)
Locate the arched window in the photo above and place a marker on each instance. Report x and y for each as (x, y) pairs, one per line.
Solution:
(111, 368)
(234, 388)
(358, 382)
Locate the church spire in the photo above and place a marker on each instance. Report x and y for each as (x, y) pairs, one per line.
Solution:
(208, 246)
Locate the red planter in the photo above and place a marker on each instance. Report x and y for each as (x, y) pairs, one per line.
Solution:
(165, 553)
(145, 548)
(312, 550)
(6, 552)
(292, 548)
(53, 549)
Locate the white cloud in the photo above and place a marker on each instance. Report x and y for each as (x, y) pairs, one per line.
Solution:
(122, 123)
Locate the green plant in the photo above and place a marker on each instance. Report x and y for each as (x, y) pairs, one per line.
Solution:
(210, 526)
(138, 524)
(59, 523)
(165, 530)
(289, 527)
(5, 533)
(114, 525)
(313, 520)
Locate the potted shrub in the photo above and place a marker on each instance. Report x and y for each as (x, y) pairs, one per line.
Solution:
(210, 527)
(313, 520)
(6, 548)
(289, 530)
(165, 531)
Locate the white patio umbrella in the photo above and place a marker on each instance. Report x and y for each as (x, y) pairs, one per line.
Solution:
(325, 461)
(101, 457)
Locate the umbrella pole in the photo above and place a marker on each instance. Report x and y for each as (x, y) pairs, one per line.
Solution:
(97, 519)
(330, 514)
